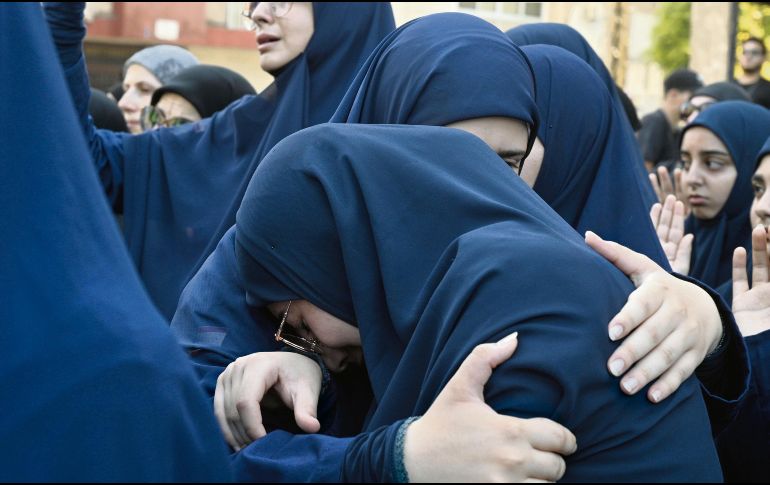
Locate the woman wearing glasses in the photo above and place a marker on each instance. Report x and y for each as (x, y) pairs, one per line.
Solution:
(178, 189)
(194, 94)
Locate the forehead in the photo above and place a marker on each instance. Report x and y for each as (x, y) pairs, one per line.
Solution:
(701, 100)
(173, 105)
(137, 74)
(699, 138)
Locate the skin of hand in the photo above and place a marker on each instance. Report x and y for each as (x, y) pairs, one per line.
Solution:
(668, 220)
(244, 385)
(669, 325)
(751, 306)
(461, 439)
(663, 187)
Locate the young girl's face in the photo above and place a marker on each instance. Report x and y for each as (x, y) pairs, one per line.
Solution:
(709, 172)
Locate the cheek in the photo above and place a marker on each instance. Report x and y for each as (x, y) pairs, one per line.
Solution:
(755, 219)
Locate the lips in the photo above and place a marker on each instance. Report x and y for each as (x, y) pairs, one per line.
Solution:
(696, 200)
(264, 41)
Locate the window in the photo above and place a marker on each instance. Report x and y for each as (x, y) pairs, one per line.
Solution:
(531, 10)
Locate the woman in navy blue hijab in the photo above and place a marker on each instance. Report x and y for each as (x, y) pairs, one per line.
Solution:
(583, 174)
(179, 189)
(723, 140)
(94, 386)
(328, 218)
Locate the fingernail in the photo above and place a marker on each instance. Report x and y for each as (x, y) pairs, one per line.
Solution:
(630, 385)
(508, 339)
(616, 367)
(656, 396)
(615, 332)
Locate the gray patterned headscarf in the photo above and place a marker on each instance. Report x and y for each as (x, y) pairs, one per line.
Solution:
(164, 61)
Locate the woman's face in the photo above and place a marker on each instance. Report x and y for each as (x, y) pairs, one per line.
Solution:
(281, 39)
(340, 341)
(709, 172)
(699, 103)
(760, 207)
(139, 84)
(175, 106)
(508, 138)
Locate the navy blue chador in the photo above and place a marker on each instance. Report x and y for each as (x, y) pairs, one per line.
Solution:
(179, 188)
(425, 239)
(94, 386)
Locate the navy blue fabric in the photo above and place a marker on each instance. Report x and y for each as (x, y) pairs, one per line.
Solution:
(94, 386)
(585, 176)
(430, 72)
(743, 128)
(745, 445)
(566, 37)
(180, 188)
(430, 245)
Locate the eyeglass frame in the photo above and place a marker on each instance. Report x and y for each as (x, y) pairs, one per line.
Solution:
(683, 114)
(301, 344)
(167, 122)
(248, 14)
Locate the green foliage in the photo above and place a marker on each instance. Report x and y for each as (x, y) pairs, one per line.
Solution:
(671, 36)
(753, 21)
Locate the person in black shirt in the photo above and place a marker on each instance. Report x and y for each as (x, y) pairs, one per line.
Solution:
(658, 136)
(754, 54)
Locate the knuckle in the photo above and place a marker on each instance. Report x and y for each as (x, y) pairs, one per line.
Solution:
(669, 355)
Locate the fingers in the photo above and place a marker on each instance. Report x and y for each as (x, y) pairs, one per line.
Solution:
(470, 378)
(657, 208)
(665, 182)
(546, 467)
(740, 278)
(656, 186)
(676, 233)
(672, 352)
(634, 265)
(666, 216)
(679, 188)
(642, 304)
(219, 412)
(248, 405)
(681, 263)
(673, 378)
(549, 436)
(230, 378)
(759, 270)
(305, 403)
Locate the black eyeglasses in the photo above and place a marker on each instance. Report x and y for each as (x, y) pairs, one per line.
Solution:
(295, 341)
(688, 108)
(753, 52)
(153, 117)
(277, 10)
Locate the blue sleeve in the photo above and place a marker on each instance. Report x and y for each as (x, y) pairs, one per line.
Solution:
(744, 445)
(283, 457)
(724, 375)
(106, 147)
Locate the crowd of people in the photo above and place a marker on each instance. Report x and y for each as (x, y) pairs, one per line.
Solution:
(438, 252)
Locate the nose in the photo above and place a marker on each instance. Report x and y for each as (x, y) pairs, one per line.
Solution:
(128, 102)
(694, 176)
(262, 15)
(335, 360)
(762, 208)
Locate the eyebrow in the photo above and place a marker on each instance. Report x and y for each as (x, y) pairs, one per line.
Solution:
(758, 179)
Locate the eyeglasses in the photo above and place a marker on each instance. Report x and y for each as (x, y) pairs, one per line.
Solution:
(295, 341)
(154, 117)
(752, 52)
(277, 10)
(688, 108)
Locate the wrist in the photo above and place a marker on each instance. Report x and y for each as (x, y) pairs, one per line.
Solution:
(400, 471)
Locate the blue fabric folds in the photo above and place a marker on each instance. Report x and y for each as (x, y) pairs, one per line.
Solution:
(95, 388)
(430, 245)
(430, 72)
(585, 176)
(743, 128)
(566, 37)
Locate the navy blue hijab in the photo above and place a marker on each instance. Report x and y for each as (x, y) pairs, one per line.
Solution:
(584, 175)
(429, 243)
(566, 37)
(439, 69)
(743, 128)
(94, 386)
(183, 186)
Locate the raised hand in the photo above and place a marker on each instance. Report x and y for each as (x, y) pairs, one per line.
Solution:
(751, 305)
(668, 220)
